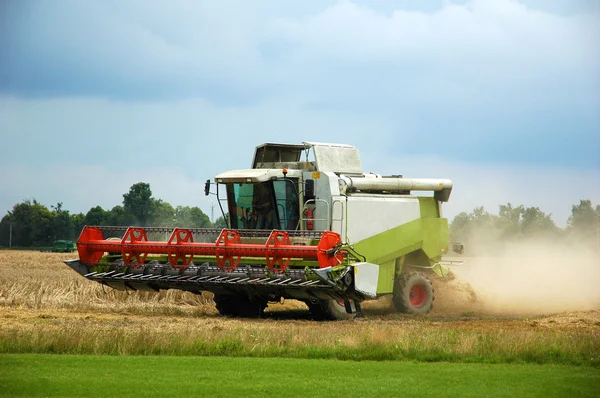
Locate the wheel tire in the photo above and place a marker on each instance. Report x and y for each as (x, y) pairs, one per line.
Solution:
(331, 310)
(316, 310)
(239, 305)
(413, 294)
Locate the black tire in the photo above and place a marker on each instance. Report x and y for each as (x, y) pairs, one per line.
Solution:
(239, 305)
(315, 309)
(413, 294)
(331, 310)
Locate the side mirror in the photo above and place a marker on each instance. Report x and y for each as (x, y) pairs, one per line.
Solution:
(309, 189)
(207, 188)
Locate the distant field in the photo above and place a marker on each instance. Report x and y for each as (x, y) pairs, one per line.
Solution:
(29, 248)
(53, 376)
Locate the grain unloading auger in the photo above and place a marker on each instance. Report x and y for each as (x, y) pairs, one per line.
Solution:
(319, 230)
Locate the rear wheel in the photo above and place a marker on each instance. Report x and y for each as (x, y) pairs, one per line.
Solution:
(413, 294)
(239, 305)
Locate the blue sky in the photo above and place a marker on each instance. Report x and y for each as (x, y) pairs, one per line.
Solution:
(501, 96)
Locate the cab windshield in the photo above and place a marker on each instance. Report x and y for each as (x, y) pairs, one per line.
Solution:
(265, 205)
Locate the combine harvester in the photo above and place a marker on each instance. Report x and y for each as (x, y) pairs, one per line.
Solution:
(317, 229)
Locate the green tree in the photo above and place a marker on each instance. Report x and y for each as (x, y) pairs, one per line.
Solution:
(183, 217)
(190, 217)
(96, 216)
(220, 223)
(118, 217)
(509, 221)
(536, 223)
(199, 219)
(162, 214)
(78, 222)
(584, 220)
(138, 203)
(482, 218)
(20, 218)
(42, 222)
(460, 227)
(6, 230)
(62, 227)
(31, 224)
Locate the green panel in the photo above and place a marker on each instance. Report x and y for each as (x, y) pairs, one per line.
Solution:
(385, 284)
(393, 243)
(429, 207)
(436, 232)
(429, 234)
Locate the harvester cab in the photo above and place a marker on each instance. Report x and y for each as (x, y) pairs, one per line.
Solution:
(306, 223)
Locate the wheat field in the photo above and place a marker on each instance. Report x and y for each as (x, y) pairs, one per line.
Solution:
(47, 307)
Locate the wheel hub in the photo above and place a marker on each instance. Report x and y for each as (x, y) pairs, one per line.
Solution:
(418, 295)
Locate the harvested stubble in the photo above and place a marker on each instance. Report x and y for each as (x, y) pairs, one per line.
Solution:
(42, 281)
(46, 307)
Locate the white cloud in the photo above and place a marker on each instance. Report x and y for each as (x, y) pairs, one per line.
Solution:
(489, 33)
(458, 92)
(189, 49)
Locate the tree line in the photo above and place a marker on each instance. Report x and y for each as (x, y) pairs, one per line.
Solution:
(516, 223)
(30, 223)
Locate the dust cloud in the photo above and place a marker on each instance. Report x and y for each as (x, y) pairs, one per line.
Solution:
(528, 277)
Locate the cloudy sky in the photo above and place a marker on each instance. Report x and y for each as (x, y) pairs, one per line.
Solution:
(501, 96)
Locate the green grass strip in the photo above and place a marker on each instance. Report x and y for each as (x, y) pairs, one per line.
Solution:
(78, 375)
(420, 345)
